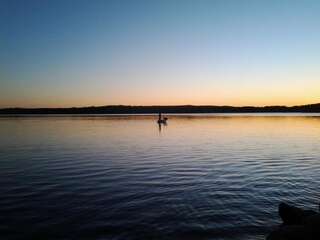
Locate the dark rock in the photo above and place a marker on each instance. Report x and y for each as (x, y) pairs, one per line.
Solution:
(298, 224)
(291, 215)
(290, 232)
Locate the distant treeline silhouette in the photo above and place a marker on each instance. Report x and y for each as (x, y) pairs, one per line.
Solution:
(123, 109)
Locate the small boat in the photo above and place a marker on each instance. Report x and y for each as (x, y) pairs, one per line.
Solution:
(162, 120)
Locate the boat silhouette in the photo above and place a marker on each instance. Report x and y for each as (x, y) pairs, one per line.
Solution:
(162, 120)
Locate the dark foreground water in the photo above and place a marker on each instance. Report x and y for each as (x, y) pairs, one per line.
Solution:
(200, 177)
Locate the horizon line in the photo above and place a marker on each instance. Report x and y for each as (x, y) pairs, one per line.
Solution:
(155, 105)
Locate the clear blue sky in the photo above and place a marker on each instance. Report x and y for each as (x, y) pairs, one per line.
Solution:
(77, 53)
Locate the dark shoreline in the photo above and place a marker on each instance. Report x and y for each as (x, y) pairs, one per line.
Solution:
(124, 109)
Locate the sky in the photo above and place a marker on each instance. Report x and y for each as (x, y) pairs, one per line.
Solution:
(63, 53)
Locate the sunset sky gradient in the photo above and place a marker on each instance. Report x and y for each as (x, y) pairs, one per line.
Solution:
(64, 53)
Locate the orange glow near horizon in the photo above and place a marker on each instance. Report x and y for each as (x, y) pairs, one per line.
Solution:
(259, 101)
(289, 91)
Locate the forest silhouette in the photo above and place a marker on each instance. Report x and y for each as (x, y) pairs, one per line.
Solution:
(126, 109)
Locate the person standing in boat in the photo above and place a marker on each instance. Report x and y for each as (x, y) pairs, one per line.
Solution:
(160, 118)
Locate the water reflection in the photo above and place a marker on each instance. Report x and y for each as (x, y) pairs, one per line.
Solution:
(161, 124)
(208, 177)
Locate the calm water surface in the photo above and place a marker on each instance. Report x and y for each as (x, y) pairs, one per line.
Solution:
(200, 177)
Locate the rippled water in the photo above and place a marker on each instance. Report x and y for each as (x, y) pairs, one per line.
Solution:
(200, 177)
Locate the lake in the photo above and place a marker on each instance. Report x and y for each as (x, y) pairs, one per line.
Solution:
(123, 177)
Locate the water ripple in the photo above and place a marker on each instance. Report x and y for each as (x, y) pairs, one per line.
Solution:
(120, 178)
